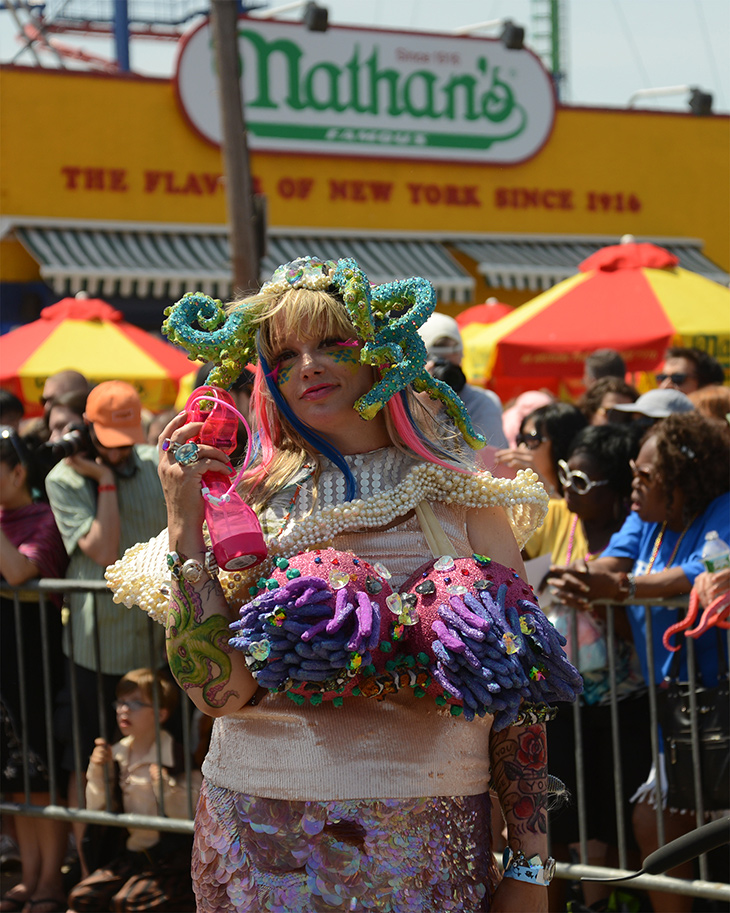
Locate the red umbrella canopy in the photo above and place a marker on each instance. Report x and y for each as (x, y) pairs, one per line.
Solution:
(631, 297)
(90, 336)
(489, 312)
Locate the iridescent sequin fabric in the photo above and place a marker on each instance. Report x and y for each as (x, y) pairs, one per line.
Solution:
(393, 855)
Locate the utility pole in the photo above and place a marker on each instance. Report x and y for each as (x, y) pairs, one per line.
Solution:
(236, 168)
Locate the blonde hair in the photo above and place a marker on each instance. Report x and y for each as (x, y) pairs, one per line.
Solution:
(284, 452)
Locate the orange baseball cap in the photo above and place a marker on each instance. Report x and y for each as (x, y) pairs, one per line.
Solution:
(115, 410)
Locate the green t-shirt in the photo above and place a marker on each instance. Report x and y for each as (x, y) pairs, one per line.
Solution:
(123, 633)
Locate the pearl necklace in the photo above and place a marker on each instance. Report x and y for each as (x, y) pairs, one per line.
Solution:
(141, 576)
(425, 481)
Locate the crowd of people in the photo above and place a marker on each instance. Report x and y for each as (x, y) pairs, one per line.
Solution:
(312, 797)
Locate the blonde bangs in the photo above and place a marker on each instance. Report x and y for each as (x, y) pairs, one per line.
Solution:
(313, 313)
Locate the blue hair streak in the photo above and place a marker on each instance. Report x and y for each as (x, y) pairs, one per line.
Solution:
(307, 432)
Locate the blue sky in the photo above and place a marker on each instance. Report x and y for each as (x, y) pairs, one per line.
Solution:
(612, 47)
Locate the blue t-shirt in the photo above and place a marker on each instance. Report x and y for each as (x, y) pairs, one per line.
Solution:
(636, 540)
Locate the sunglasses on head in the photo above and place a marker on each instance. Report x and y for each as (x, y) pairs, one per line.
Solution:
(532, 440)
(577, 480)
(677, 379)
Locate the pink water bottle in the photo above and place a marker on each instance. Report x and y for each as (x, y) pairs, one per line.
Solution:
(235, 532)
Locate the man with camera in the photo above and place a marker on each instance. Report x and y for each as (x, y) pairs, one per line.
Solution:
(106, 496)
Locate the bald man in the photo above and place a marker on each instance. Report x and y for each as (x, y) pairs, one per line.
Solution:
(62, 382)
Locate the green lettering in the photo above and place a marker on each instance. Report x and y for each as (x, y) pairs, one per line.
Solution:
(422, 83)
(264, 50)
(353, 65)
(468, 86)
(499, 102)
(331, 81)
(390, 77)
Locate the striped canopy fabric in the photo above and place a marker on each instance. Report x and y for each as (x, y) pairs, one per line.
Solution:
(630, 297)
(167, 261)
(90, 336)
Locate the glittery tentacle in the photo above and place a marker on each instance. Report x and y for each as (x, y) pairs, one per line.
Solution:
(399, 352)
(354, 288)
(226, 339)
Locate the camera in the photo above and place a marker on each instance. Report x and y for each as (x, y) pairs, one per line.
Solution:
(75, 440)
(449, 373)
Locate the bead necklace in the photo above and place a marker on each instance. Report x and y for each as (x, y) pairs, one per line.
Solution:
(426, 481)
(589, 556)
(658, 544)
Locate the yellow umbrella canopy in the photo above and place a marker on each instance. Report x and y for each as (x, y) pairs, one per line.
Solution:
(90, 336)
(629, 297)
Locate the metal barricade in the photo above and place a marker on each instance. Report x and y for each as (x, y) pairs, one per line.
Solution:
(57, 808)
(701, 887)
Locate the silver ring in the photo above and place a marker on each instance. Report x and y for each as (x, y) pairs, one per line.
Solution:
(185, 454)
(168, 444)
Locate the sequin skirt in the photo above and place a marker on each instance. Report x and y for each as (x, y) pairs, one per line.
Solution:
(393, 855)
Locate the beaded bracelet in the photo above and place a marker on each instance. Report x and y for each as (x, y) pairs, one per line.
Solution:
(106, 488)
(532, 870)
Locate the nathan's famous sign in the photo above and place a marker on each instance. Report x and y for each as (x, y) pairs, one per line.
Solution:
(362, 92)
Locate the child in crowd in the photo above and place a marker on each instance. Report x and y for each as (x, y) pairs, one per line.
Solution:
(153, 871)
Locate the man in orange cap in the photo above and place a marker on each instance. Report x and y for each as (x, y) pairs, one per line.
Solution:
(114, 416)
(104, 500)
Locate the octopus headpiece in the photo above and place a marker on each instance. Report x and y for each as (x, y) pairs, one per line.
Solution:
(386, 319)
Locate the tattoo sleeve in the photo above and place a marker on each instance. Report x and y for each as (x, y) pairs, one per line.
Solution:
(197, 642)
(519, 775)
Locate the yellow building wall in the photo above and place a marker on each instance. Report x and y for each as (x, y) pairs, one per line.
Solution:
(97, 147)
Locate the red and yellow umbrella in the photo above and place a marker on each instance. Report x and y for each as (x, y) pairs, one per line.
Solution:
(90, 336)
(630, 297)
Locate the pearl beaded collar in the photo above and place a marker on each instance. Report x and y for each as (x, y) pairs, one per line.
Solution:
(398, 483)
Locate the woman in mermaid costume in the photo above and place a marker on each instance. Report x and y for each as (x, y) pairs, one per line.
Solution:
(386, 666)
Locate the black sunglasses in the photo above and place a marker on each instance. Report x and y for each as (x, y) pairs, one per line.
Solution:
(677, 379)
(532, 440)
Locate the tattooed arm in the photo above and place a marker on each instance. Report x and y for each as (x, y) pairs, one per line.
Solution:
(518, 757)
(214, 676)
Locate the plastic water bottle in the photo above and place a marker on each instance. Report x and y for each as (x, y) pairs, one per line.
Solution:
(235, 532)
(715, 552)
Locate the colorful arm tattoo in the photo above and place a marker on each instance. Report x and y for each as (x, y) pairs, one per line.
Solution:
(519, 775)
(197, 647)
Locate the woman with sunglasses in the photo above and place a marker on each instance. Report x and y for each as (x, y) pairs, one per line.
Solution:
(543, 441)
(339, 776)
(596, 482)
(30, 547)
(679, 493)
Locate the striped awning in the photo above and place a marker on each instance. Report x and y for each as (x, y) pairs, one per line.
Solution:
(167, 261)
(143, 260)
(381, 259)
(539, 262)
(130, 262)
